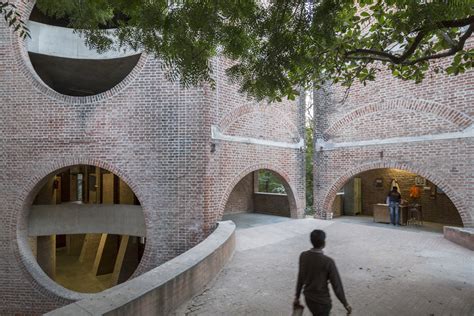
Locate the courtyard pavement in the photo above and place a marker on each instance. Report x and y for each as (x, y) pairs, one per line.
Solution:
(385, 270)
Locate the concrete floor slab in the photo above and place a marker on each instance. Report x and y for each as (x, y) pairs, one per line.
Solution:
(385, 270)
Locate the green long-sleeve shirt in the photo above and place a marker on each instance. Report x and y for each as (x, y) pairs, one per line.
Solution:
(315, 271)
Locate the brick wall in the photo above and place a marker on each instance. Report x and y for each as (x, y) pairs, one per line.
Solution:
(150, 132)
(271, 203)
(236, 115)
(389, 108)
(241, 198)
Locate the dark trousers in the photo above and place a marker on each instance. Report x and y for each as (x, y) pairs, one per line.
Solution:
(318, 309)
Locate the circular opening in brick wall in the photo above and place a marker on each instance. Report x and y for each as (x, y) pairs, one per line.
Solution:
(422, 202)
(86, 229)
(58, 58)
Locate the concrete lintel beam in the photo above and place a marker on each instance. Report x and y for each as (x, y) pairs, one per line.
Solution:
(72, 218)
(218, 135)
(329, 145)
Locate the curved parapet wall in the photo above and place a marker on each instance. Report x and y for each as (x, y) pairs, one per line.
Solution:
(461, 236)
(165, 288)
(71, 218)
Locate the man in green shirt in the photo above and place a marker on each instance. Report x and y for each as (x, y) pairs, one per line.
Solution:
(315, 270)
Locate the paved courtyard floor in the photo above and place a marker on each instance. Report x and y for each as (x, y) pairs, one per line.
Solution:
(385, 270)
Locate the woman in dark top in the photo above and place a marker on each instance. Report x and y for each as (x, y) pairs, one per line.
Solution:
(394, 199)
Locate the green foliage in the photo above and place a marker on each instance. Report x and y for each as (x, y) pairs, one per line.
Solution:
(270, 182)
(279, 45)
(13, 18)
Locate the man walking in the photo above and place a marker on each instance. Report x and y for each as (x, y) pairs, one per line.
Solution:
(315, 270)
(394, 198)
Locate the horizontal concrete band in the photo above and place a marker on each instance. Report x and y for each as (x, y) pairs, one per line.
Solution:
(459, 235)
(71, 218)
(64, 42)
(218, 135)
(165, 288)
(329, 145)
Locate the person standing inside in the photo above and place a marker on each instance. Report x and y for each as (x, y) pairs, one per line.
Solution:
(394, 198)
(315, 270)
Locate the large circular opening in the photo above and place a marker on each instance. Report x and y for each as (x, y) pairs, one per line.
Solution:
(64, 62)
(86, 229)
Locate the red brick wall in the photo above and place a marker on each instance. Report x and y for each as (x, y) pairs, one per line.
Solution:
(153, 135)
(241, 198)
(271, 203)
(237, 115)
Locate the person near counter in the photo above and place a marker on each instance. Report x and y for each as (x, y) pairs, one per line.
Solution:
(394, 198)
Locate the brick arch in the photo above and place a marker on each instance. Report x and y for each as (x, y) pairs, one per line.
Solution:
(427, 173)
(443, 111)
(290, 190)
(237, 113)
(18, 230)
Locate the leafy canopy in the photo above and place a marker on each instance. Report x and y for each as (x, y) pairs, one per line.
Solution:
(279, 45)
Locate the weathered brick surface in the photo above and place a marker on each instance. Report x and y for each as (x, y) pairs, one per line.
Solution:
(153, 134)
(241, 199)
(388, 108)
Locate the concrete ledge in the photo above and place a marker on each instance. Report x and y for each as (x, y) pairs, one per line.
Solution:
(459, 235)
(165, 288)
(71, 218)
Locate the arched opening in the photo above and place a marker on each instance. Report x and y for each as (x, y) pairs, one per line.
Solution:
(86, 228)
(260, 192)
(424, 204)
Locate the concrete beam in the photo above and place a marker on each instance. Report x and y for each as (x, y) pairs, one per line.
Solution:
(46, 254)
(89, 249)
(64, 42)
(127, 259)
(218, 135)
(72, 218)
(329, 145)
(104, 262)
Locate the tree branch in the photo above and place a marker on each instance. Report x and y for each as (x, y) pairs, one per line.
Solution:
(391, 57)
(450, 52)
(458, 23)
(374, 55)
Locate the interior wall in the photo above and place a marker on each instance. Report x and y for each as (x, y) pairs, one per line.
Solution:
(437, 208)
(241, 198)
(270, 203)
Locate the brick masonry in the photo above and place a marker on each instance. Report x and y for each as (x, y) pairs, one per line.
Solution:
(390, 107)
(241, 198)
(150, 132)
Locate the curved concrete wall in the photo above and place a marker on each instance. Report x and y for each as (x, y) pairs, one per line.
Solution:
(165, 288)
(70, 218)
(64, 42)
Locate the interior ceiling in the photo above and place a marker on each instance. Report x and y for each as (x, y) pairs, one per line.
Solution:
(82, 77)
